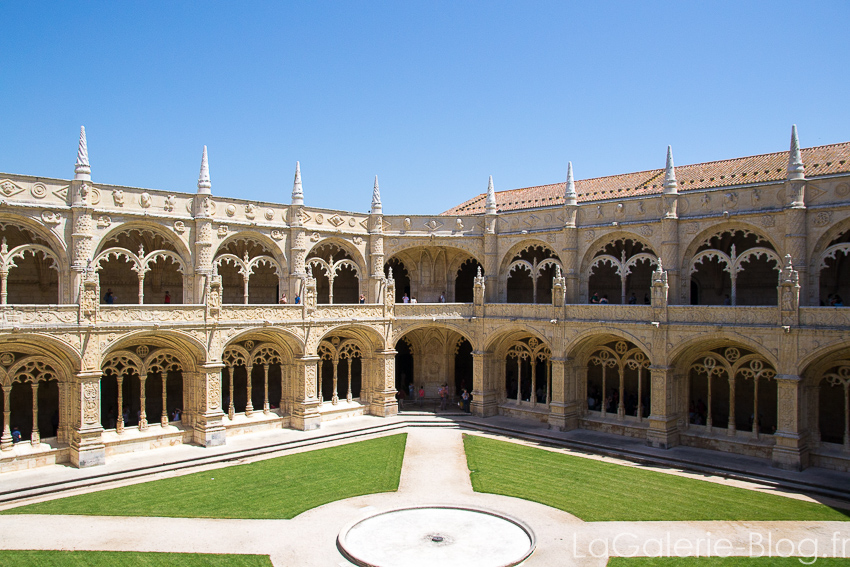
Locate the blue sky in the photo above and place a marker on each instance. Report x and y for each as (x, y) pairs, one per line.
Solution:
(431, 96)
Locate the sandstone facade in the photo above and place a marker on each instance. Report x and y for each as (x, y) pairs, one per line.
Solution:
(718, 331)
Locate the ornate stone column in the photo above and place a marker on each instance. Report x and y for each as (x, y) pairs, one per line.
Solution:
(485, 399)
(383, 402)
(305, 406)
(790, 451)
(87, 448)
(569, 251)
(794, 213)
(491, 247)
(663, 430)
(208, 428)
(376, 247)
(563, 409)
(6, 438)
(670, 228)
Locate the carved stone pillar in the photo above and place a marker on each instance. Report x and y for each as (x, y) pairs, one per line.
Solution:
(670, 256)
(663, 430)
(6, 438)
(796, 233)
(376, 259)
(80, 194)
(203, 246)
(790, 451)
(383, 402)
(86, 444)
(563, 413)
(485, 398)
(208, 428)
(305, 406)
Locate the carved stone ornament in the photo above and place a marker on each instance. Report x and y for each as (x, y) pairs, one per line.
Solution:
(213, 392)
(179, 227)
(170, 202)
(118, 197)
(433, 224)
(335, 220)
(315, 237)
(145, 200)
(9, 189)
(599, 213)
(38, 190)
(406, 223)
(822, 218)
(842, 190)
(103, 221)
(357, 240)
(767, 221)
(230, 210)
(7, 358)
(620, 209)
(645, 230)
(269, 214)
(91, 395)
(589, 235)
(222, 231)
(277, 234)
(351, 222)
(730, 199)
(320, 218)
(51, 217)
(250, 211)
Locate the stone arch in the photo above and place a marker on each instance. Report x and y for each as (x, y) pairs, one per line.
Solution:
(257, 374)
(34, 267)
(728, 386)
(372, 339)
(31, 397)
(526, 272)
(613, 377)
(714, 265)
(18, 406)
(253, 268)
(678, 356)
(826, 399)
(339, 270)
(139, 262)
(400, 331)
(830, 267)
(149, 376)
(433, 349)
(612, 253)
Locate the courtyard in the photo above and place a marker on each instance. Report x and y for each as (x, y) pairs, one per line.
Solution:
(288, 500)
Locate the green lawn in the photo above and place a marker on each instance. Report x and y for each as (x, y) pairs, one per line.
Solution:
(128, 558)
(724, 562)
(276, 488)
(597, 491)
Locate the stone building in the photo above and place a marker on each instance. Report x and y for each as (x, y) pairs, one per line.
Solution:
(134, 319)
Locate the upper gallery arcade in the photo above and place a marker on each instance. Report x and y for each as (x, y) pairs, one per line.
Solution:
(698, 305)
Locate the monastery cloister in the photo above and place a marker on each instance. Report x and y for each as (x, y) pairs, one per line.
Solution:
(720, 325)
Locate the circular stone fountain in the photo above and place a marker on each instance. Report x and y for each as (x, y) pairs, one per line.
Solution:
(436, 535)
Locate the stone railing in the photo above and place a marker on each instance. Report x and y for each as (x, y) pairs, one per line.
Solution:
(720, 314)
(174, 313)
(433, 310)
(825, 316)
(519, 310)
(603, 312)
(11, 315)
(270, 312)
(348, 311)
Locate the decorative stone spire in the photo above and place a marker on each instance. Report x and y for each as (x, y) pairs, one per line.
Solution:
(297, 190)
(376, 199)
(570, 196)
(796, 170)
(490, 203)
(204, 184)
(82, 169)
(670, 185)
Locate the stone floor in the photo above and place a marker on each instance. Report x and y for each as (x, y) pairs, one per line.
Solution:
(434, 472)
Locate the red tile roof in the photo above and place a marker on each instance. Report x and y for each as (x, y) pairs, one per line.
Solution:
(820, 160)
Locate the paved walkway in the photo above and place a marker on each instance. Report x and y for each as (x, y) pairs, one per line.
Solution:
(434, 472)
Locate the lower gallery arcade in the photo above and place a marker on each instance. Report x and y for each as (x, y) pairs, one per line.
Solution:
(697, 312)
